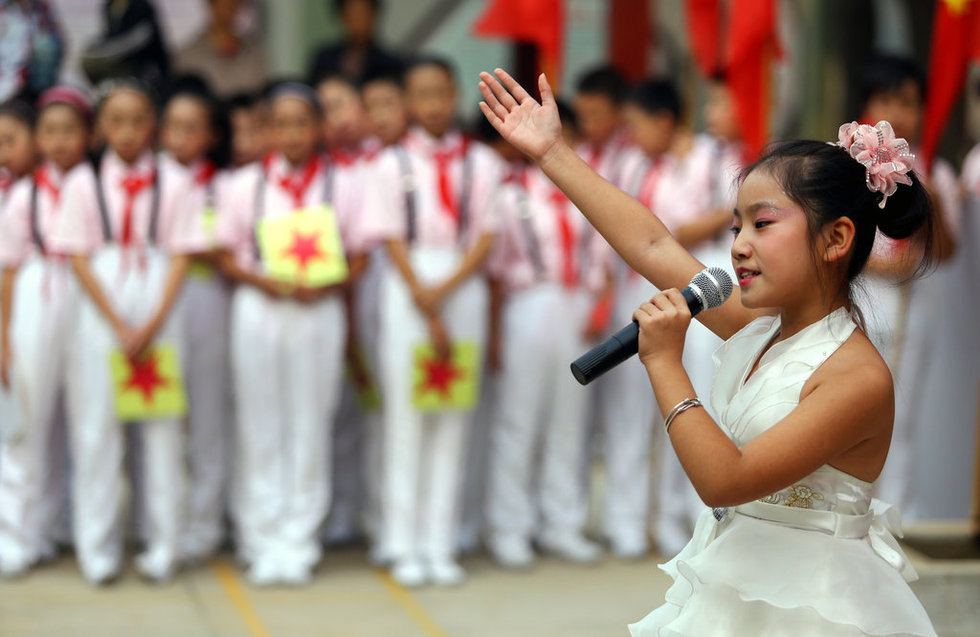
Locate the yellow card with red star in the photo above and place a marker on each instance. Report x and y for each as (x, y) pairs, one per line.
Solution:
(149, 387)
(451, 385)
(303, 247)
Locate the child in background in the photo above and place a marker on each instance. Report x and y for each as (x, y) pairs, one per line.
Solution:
(901, 311)
(287, 345)
(345, 125)
(552, 267)
(36, 298)
(128, 237)
(249, 138)
(434, 208)
(17, 154)
(384, 105)
(795, 543)
(196, 151)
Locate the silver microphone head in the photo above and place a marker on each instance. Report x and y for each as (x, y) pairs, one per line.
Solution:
(713, 286)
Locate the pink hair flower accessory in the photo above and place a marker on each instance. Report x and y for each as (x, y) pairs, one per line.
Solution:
(886, 158)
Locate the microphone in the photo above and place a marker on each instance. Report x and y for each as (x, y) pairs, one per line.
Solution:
(708, 289)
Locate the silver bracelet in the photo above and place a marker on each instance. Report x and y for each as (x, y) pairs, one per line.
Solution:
(679, 409)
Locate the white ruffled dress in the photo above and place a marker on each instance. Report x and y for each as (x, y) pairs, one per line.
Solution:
(818, 558)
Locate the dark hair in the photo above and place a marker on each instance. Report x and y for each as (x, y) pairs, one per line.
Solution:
(431, 60)
(241, 101)
(605, 81)
(829, 184)
(331, 76)
(567, 115)
(887, 73)
(338, 5)
(19, 110)
(656, 96)
(195, 87)
(390, 76)
(109, 87)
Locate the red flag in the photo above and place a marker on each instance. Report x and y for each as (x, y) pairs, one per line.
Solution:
(541, 22)
(955, 33)
(751, 45)
(704, 33)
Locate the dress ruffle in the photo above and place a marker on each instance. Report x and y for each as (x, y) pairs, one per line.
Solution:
(747, 576)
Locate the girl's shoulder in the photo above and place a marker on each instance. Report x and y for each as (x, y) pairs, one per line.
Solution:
(856, 362)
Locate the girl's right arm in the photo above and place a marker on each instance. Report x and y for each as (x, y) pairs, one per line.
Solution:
(639, 237)
(6, 311)
(230, 267)
(398, 253)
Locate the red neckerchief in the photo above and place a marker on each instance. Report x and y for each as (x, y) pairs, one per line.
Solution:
(132, 184)
(44, 182)
(205, 173)
(651, 182)
(297, 185)
(559, 202)
(345, 157)
(443, 160)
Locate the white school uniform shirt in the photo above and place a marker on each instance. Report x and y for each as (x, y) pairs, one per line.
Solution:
(79, 230)
(207, 186)
(17, 238)
(237, 220)
(612, 158)
(530, 249)
(386, 213)
(970, 177)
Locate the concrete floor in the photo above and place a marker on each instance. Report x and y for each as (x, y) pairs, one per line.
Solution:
(346, 599)
(350, 599)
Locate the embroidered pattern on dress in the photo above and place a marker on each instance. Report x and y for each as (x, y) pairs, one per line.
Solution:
(798, 495)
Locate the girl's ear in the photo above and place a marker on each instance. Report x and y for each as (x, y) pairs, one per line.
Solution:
(838, 239)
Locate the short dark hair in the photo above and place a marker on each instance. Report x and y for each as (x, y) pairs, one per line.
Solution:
(432, 60)
(338, 5)
(605, 81)
(20, 110)
(390, 76)
(886, 73)
(656, 96)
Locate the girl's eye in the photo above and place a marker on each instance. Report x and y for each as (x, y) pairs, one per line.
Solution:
(762, 223)
(734, 230)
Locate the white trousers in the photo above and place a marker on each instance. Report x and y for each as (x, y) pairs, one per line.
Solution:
(423, 453)
(629, 416)
(135, 287)
(32, 479)
(207, 301)
(287, 361)
(539, 435)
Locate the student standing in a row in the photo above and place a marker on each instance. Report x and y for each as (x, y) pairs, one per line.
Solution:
(128, 238)
(434, 208)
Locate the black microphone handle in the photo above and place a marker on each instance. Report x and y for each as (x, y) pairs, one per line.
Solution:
(620, 346)
(606, 355)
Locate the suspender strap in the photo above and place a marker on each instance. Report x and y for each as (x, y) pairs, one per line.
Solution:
(466, 183)
(259, 202)
(104, 207)
(408, 187)
(530, 238)
(35, 224)
(155, 210)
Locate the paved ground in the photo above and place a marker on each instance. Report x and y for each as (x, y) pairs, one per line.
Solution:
(350, 599)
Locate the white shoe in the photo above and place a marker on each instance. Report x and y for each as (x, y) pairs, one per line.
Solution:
(572, 547)
(409, 573)
(629, 547)
(295, 574)
(155, 567)
(14, 567)
(263, 572)
(511, 552)
(446, 572)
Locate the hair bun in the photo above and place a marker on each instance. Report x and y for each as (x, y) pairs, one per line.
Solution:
(906, 211)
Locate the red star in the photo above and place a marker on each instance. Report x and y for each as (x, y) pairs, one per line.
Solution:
(439, 376)
(305, 248)
(144, 375)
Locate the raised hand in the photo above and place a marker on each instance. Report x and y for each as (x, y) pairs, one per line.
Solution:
(532, 128)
